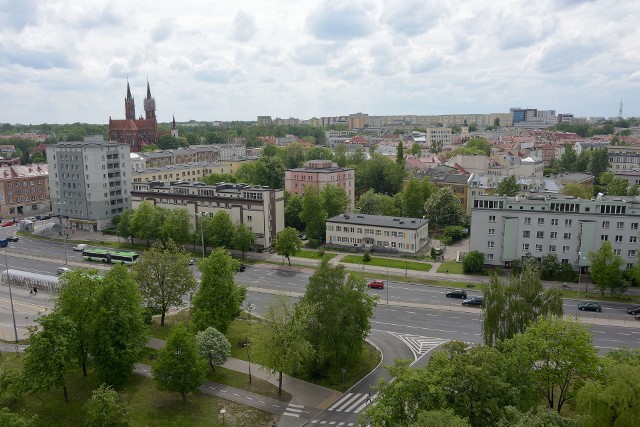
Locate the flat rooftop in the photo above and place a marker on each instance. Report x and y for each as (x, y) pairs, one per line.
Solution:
(380, 221)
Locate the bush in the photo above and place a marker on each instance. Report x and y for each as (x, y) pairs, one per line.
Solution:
(366, 257)
(314, 243)
(321, 252)
(473, 262)
(433, 253)
(454, 233)
(110, 231)
(106, 407)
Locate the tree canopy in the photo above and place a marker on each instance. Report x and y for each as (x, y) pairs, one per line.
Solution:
(605, 269)
(443, 209)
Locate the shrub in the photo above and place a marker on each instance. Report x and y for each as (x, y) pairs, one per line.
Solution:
(321, 252)
(366, 257)
(314, 243)
(454, 233)
(473, 262)
(105, 407)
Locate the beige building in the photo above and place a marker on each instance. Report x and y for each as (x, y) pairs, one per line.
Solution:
(24, 190)
(192, 172)
(378, 232)
(319, 174)
(260, 209)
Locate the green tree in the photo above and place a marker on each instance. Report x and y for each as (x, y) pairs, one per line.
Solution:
(338, 326)
(569, 159)
(51, 353)
(218, 299)
(372, 203)
(38, 158)
(496, 122)
(394, 175)
(335, 200)
(123, 228)
(579, 191)
(472, 262)
(480, 144)
(281, 339)
(294, 155)
(213, 346)
(118, 329)
(220, 230)
(618, 187)
(509, 308)
(319, 153)
(243, 239)
(288, 243)
(163, 276)
(605, 269)
(416, 149)
(105, 407)
(613, 397)
(413, 199)
(178, 367)
(561, 355)
(340, 155)
(11, 419)
(508, 186)
(550, 266)
(77, 302)
(599, 161)
(443, 209)
(216, 178)
(292, 210)
(584, 161)
(313, 213)
(439, 418)
(146, 222)
(167, 142)
(176, 226)
(400, 154)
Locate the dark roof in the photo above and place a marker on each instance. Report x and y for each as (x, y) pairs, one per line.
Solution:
(380, 221)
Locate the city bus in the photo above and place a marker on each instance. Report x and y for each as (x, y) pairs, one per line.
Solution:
(110, 256)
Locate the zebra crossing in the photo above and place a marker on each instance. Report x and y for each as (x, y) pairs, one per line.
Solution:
(419, 345)
(352, 402)
(333, 423)
(293, 410)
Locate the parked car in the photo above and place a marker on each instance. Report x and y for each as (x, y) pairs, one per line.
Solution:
(62, 270)
(376, 284)
(7, 223)
(634, 310)
(457, 293)
(473, 301)
(192, 261)
(590, 306)
(31, 218)
(80, 247)
(13, 238)
(241, 267)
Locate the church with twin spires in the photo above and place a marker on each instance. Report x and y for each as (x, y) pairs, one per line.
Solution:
(136, 132)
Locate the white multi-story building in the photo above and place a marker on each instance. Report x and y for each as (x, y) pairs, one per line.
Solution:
(192, 172)
(507, 228)
(378, 232)
(261, 209)
(89, 182)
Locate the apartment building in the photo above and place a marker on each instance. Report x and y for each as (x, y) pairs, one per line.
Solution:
(89, 182)
(191, 172)
(261, 209)
(378, 232)
(320, 173)
(24, 190)
(507, 228)
(193, 154)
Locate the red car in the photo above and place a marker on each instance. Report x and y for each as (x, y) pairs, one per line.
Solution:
(8, 223)
(376, 284)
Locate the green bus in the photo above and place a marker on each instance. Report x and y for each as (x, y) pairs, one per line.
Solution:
(110, 256)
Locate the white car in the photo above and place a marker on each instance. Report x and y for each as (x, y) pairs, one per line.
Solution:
(62, 270)
(80, 247)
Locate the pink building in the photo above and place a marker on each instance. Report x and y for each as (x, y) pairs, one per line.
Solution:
(320, 173)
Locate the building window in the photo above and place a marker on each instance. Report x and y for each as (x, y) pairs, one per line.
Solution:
(490, 244)
(565, 260)
(618, 239)
(565, 249)
(633, 239)
(632, 252)
(605, 224)
(552, 248)
(567, 223)
(554, 221)
(567, 236)
(378, 232)
(617, 252)
(538, 248)
(249, 218)
(540, 221)
(540, 234)
(554, 234)
(489, 257)
(604, 237)
(525, 246)
(620, 225)
(527, 220)
(634, 225)
(492, 218)
(492, 231)
(526, 233)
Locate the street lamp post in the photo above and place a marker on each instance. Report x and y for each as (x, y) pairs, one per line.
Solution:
(387, 286)
(13, 313)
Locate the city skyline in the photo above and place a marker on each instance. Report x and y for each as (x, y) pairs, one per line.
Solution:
(63, 63)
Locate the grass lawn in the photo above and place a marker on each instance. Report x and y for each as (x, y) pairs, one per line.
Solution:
(388, 262)
(147, 406)
(170, 321)
(240, 330)
(314, 255)
(450, 266)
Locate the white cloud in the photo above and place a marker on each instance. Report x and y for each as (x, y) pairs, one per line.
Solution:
(236, 60)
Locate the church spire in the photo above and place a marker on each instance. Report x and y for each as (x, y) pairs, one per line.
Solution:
(149, 104)
(129, 104)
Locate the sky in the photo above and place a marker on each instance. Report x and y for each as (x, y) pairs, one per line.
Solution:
(66, 62)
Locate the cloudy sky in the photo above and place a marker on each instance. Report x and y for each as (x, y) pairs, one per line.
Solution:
(64, 61)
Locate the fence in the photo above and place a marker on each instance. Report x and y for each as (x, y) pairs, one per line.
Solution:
(31, 280)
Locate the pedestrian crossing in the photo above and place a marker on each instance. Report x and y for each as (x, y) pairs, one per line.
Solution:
(293, 410)
(419, 345)
(352, 402)
(333, 423)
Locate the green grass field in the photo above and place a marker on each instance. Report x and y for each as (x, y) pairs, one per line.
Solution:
(388, 262)
(450, 266)
(314, 255)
